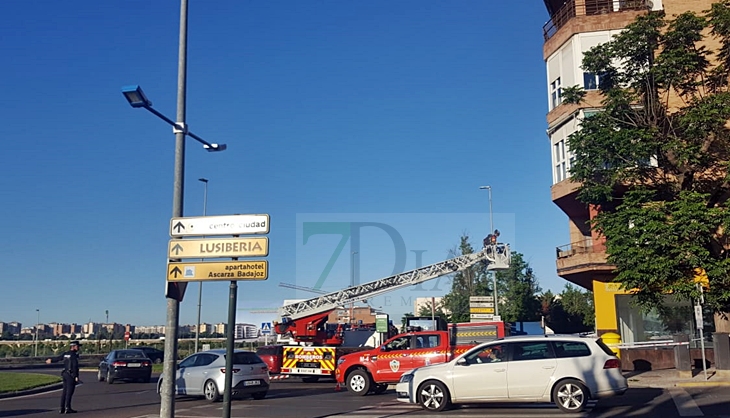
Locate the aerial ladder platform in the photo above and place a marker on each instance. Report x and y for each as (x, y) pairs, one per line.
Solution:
(304, 320)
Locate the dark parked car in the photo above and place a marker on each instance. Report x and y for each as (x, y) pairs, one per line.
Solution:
(154, 354)
(129, 364)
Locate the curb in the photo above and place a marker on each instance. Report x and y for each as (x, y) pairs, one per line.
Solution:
(33, 391)
(702, 384)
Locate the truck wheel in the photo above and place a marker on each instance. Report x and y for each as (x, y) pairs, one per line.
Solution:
(433, 396)
(378, 389)
(570, 396)
(310, 379)
(358, 382)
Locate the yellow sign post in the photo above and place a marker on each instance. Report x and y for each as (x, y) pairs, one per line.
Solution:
(481, 310)
(218, 270)
(218, 248)
(701, 278)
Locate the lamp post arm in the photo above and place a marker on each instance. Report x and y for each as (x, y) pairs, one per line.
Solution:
(184, 129)
(161, 116)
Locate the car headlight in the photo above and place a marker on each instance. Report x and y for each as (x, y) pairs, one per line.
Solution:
(406, 378)
(340, 361)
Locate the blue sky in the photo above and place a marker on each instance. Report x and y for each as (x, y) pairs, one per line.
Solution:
(394, 112)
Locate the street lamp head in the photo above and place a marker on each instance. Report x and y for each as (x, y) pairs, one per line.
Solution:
(485, 187)
(215, 147)
(135, 96)
(204, 180)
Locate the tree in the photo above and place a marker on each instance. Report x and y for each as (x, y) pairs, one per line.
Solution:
(404, 319)
(579, 304)
(468, 282)
(518, 290)
(438, 311)
(655, 159)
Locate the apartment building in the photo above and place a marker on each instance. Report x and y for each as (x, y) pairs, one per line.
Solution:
(574, 27)
(12, 328)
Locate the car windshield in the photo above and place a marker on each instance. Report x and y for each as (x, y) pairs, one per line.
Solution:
(130, 354)
(246, 358)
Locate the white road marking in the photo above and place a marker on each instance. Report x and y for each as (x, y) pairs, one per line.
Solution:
(686, 406)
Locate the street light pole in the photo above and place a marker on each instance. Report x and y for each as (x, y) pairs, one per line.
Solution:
(200, 283)
(491, 231)
(174, 290)
(491, 222)
(352, 282)
(37, 325)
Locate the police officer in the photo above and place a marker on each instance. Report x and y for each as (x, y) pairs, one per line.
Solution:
(70, 375)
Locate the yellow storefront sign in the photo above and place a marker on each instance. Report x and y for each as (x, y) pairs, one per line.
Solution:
(220, 270)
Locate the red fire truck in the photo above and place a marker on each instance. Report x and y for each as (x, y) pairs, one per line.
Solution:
(318, 347)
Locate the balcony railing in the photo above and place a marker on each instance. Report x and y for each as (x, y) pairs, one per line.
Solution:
(573, 8)
(580, 247)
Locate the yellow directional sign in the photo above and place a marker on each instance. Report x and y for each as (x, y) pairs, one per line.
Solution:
(217, 270)
(218, 248)
(481, 310)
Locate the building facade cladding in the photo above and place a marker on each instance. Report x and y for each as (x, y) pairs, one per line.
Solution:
(356, 315)
(220, 328)
(426, 303)
(150, 329)
(575, 26)
(245, 331)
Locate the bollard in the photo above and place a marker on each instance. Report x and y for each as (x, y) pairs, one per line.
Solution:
(721, 342)
(682, 361)
(612, 340)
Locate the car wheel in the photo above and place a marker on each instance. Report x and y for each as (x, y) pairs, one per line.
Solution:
(159, 388)
(570, 396)
(259, 395)
(433, 396)
(310, 379)
(210, 391)
(380, 388)
(99, 376)
(109, 377)
(358, 382)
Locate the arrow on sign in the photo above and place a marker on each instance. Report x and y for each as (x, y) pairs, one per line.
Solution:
(175, 271)
(178, 226)
(177, 248)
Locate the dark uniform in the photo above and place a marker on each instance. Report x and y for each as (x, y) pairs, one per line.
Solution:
(70, 375)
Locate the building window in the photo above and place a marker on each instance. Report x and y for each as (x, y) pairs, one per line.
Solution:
(561, 165)
(636, 325)
(592, 81)
(556, 93)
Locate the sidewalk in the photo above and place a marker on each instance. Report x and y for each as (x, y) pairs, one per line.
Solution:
(671, 378)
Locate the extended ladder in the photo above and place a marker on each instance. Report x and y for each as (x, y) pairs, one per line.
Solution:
(496, 256)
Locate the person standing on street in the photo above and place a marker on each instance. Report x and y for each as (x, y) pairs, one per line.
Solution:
(70, 375)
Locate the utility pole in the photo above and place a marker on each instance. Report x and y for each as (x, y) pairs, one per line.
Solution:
(491, 231)
(352, 283)
(37, 325)
(200, 283)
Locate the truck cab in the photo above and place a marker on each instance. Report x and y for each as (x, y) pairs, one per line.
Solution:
(373, 370)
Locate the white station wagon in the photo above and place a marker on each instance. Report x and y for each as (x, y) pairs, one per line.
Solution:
(564, 369)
